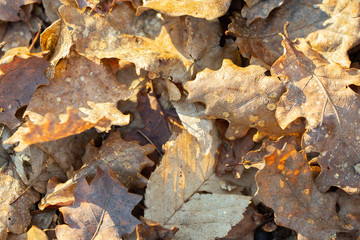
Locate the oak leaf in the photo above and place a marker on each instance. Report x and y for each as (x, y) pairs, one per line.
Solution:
(245, 97)
(201, 9)
(102, 210)
(175, 48)
(127, 159)
(21, 72)
(319, 90)
(285, 184)
(173, 199)
(331, 27)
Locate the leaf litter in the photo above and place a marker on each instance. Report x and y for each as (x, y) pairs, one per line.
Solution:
(179, 119)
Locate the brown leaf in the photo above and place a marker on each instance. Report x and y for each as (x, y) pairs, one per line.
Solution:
(330, 27)
(10, 11)
(256, 158)
(14, 217)
(50, 129)
(21, 72)
(245, 97)
(150, 230)
(34, 233)
(285, 184)
(349, 211)
(245, 229)
(126, 158)
(57, 40)
(176, 48)
(318, 90)
(101, 209)
(156, 125)
(51, 7)
(173, 196)
(261, 9)
(18, 34)
(201, 9)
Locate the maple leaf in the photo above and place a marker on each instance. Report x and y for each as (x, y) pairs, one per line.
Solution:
(10, 11)
(201, 9)
(101, 210)
(259, 9)
(331, 27)
(285, 184)
(127, 159)
(245, 97)
(318, 89)
(175, 48)
(21, 72)
(172, 196)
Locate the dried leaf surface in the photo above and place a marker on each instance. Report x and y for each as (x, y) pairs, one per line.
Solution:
(245, 97)
(261, 9)
(127, 159)
(318, 90)
(50, 129)
(14, 217)
(10, 11)
(21, 72)
(285, 184)
(172, 47)
(172, 197)
(331, 27)
(102, 210)
(99, 6)
(201, 9)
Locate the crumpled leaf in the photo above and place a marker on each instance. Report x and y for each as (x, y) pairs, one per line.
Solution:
(102, 210)
(21, 72)
(10, 11)
(261, 9)
(285, 184)
(330, 27)
(172, 196)
(201, 9)
(318, 90)
(175, 48)
(57, 40)
(245, 97)
(50, 129)
(127, 159)
(14, 217)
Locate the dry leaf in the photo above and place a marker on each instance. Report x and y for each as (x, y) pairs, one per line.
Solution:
(172, 196)
(201, 9)
(14, 217)
(156, 126)
(176, 48)
(21, 72)
(261, 9)
(331, 27)
(51, 7)
(34, 233)
(285, 184)
(50, 129)
(245, 97)
(150, 230)
(57, 40)
(349, 211)
(319, 90)
(102, 210)
(127, 159)
(99, 6)
(18, 34)
(10, 11)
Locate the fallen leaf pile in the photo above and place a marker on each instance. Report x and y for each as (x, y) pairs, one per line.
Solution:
(188, 119)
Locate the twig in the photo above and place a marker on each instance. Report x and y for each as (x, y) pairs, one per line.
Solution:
(35, 38)
(17, 198)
